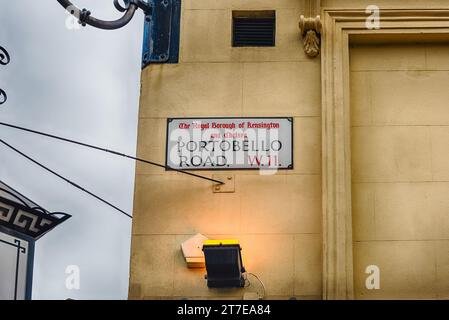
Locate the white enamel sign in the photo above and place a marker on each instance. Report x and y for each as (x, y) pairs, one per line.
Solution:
(229, 143)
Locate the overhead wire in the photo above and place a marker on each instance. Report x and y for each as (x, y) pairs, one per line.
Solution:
(116, 153)
(60, 176)
(108, 151)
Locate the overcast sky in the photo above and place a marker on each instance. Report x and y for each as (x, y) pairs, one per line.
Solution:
(83, 85)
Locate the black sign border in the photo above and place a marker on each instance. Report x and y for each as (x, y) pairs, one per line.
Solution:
(290, 167)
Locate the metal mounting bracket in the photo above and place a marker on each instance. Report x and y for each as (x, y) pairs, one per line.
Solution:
(227, 187)
(161, 34)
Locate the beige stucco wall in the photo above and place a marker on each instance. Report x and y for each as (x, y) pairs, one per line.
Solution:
(399, 139)
(276, 218)
(400, 169)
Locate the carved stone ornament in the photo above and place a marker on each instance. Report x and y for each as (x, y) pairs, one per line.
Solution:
(310, 32)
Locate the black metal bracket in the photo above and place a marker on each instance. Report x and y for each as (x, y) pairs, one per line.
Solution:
(129, 7)
(162, 24)
(145, 6)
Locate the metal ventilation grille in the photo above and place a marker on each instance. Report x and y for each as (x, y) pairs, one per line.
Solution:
(254, 31)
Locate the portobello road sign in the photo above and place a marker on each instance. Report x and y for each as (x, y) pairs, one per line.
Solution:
(229, 143)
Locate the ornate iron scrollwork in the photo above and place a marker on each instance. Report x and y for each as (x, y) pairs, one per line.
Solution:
(4, 60)
(3, 96)
(129, 7)
(4, 56)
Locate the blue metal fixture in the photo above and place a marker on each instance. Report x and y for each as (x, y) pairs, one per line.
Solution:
(161, 35)
(162, 20)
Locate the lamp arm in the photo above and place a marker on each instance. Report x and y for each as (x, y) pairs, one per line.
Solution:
(85, 17)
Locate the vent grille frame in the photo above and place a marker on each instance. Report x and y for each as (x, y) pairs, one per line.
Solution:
(254, 28)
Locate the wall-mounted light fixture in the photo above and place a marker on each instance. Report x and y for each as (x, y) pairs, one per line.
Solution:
(224, 264)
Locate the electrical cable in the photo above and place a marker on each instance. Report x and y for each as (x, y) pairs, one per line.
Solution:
(260, 281)
(108, 151)
(247, 283)
(64, 178)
